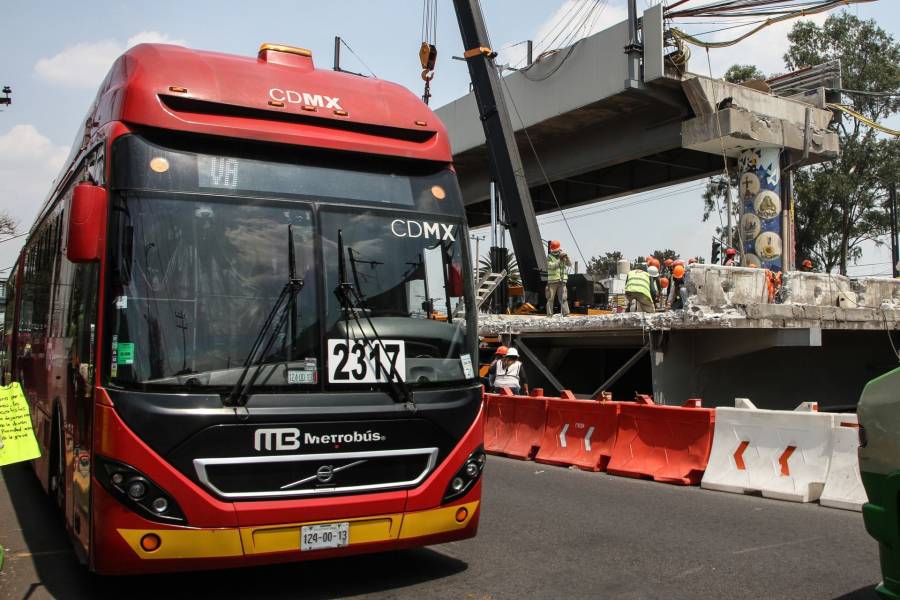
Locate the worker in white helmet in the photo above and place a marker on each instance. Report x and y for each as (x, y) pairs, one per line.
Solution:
(509, 373)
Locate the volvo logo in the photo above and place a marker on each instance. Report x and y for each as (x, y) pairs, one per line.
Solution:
(325, 473)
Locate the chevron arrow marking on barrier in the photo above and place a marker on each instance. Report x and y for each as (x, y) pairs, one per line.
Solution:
(739, 456)
(587, 439)
(562, 435)
(783, 460)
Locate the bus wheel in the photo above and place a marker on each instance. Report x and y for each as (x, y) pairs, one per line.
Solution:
(57, 479)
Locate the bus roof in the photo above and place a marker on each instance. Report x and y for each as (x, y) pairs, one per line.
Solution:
(277, 96)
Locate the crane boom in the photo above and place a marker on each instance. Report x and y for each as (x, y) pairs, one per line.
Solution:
(503, 153)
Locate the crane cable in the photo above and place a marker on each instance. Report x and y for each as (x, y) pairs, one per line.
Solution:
(863, 119)
(428, 49)
(800, 13)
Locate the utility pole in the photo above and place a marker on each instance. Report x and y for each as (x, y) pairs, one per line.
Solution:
(895, 253)
(478, 239)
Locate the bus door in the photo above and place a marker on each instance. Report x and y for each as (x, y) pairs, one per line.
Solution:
(81, 344)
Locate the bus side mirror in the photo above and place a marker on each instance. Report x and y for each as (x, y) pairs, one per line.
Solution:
(87, 223)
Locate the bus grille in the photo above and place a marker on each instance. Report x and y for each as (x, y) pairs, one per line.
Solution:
(246, 477)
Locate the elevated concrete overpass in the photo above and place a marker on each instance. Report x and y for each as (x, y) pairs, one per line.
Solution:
(604, 128)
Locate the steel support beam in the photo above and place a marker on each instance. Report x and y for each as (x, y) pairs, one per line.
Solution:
(622, 370)
(520, 344)
(503, 154)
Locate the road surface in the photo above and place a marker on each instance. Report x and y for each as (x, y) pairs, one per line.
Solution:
(546, 532)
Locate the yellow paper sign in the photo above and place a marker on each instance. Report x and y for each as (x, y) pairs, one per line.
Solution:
(17, 441)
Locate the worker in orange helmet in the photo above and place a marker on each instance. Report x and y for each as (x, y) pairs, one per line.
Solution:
(692, 261)
(669, 262)
(807, 265)
(499, 353)
(730, 260)
(677, 291)
(558, 264)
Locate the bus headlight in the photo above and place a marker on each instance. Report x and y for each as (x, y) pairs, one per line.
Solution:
(136, 491)
(467, 475)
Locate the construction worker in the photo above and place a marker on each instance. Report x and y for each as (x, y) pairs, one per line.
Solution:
(499, 353)
(677, 291)
(558, 264)
(806, 266)
(509, 373)
(638, 287)
(730, 260)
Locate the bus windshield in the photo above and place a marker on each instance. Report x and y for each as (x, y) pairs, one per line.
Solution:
(194, 273)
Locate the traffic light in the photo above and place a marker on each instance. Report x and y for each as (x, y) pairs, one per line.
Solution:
(716, 252)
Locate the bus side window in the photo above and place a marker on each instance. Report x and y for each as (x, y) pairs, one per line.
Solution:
(81, 334)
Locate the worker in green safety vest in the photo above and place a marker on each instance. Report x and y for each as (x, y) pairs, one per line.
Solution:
(558, 264)
(879, 465)
(640, 288)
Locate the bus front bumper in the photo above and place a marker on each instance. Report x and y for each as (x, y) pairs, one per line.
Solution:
(186, 548)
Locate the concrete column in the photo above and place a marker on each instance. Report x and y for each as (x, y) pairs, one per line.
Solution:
(759, 190)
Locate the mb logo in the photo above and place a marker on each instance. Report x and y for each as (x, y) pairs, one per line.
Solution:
(286, 438)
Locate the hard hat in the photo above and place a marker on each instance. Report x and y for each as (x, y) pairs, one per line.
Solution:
(730, 252)
(681, 262)
(512, 352)
(691, 261)
(663, 282)
(678, 271)
(654, 272)
(501, 350)
(807, 264)
(653, 262)
(668, 262)
(555, 245)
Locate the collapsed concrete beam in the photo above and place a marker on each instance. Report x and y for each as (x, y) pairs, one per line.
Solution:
(742, 129)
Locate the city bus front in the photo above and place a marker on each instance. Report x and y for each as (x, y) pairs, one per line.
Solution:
(288, 367)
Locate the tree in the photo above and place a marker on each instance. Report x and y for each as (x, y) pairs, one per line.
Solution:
(604, 266)
(662, 255)
(8, 225)
(742, 73)
(841, 203)
(512, 269)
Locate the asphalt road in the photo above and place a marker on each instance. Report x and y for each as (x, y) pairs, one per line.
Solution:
(546, 532)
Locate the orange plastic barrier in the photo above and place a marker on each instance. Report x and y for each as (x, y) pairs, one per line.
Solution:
(665, 443)
(498, 423)
(515, 424)
(580, 433)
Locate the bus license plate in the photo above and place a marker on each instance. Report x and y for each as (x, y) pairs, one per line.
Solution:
(329, 535)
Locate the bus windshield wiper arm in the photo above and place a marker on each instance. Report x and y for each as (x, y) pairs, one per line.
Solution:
(353, 301)
(267, 334)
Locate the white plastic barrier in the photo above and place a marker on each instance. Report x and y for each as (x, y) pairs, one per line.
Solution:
(780, 454)
(843, 486)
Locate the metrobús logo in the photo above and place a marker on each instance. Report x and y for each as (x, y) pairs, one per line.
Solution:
(305, 98)
(290, 438)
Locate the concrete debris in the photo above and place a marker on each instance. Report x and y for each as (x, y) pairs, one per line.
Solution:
(736, 297)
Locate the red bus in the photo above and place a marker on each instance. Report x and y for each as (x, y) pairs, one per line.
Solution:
(240, 319)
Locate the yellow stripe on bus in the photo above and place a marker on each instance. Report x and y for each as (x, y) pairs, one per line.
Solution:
(186, 543)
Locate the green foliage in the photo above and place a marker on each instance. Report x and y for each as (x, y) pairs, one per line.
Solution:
(604, 266)
(742, 73)
(662, 255)
(842, 203)
(512, 269)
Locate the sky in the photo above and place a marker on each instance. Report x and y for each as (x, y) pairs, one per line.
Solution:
(56, 54)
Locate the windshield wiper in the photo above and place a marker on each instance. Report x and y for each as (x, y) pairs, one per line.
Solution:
(353, 301)
(267, 334)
